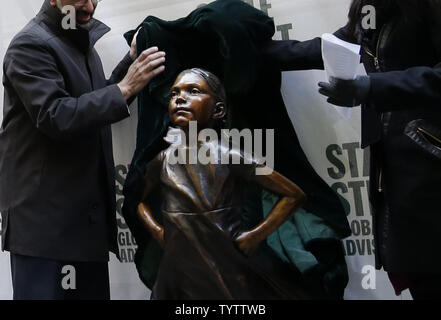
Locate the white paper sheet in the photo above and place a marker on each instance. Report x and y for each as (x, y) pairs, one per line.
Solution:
(341, 60)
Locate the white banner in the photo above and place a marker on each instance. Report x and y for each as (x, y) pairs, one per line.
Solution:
(331, 142)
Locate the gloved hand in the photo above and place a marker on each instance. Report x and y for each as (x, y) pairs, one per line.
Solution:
(346, 93)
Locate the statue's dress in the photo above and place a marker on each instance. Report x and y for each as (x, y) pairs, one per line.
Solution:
(201, 217)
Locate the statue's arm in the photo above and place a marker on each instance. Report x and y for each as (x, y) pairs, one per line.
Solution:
(145, 213)
(291, 199)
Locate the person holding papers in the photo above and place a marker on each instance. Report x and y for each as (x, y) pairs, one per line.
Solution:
(401, 122)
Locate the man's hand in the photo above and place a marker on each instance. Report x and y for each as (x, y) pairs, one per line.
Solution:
(147, 66)
(346, 93)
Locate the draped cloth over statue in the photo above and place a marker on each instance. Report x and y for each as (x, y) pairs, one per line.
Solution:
(225, 38)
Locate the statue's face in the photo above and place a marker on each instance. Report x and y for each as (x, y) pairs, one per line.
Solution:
(191, 100)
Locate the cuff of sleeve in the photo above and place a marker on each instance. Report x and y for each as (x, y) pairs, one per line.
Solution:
(127, 59)
(121, 109)
(121, 69)
(376, 97)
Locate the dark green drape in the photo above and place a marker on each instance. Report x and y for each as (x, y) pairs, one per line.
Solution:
(225, 37)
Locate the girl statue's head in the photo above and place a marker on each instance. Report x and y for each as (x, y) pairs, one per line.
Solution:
(197, 95)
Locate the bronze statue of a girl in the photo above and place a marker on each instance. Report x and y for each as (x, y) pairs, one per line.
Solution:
(206, 254)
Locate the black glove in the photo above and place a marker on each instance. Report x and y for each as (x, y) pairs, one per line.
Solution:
(346, 93)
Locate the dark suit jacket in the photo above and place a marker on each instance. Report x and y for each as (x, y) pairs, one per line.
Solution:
(401, 122)
(57, 194)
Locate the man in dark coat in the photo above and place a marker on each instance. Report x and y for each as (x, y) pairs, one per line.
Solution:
(57, 194)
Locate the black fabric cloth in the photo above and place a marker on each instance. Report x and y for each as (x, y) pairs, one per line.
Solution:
(57, 180)
(401, 123)
(224, 37)
(426, 287)
(45, 279)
